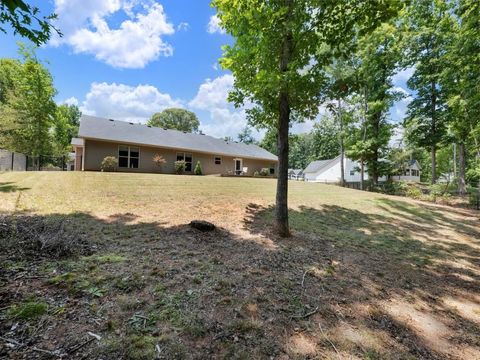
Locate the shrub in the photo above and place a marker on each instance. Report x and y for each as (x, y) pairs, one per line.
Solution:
(413, 192)
(109, 163)
(198, 169)
(256, 173)
(159, 160)
(180, 166)
(264, 172)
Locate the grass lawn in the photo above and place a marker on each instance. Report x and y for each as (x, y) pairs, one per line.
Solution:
(364, 276)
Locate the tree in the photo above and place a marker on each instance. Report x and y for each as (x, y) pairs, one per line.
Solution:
(342, 83)
(245, 136)
(325, 139)
(428, 35)
(277, 67)
(28, 111)
(378, 58)
(65, 127)
(461, 81)
(176, 119)
(26, 21)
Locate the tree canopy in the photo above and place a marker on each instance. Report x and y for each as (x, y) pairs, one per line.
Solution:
(26, 21)
(176, 119)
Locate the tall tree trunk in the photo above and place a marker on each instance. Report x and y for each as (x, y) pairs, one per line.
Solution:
(281, 209)
(434, 164)
(462, 190)
(362, 174)
(434, 130)
(342, 147)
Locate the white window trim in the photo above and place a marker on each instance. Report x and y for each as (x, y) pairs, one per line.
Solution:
(184, 157)
(235, 166)
(128, 157)
(215, 159)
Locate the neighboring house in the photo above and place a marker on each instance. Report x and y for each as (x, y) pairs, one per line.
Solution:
(411, 172)
(295, 174)
(135, 145)
(328, 171)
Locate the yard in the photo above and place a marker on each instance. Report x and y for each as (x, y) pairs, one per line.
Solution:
(364, 276)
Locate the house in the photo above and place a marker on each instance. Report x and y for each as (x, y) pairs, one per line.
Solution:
(295, 174)
(328, 171)
(411, 172)
(135, 145)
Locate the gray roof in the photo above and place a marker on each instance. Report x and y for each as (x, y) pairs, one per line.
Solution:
(315, 166)
(92, 127)
(295, 171)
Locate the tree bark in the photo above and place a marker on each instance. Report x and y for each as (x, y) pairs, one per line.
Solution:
(362, 174)
(434, 164)
(462, 190)
(281, 208)
(342, 147)
(434, 130)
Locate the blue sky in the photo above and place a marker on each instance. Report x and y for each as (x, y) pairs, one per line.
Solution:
(126, 59)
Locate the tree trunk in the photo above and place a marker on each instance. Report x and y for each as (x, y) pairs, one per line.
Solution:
(342, 147)
(362, 174)
(462, 190)
(434, 164)
(281, 209)
(434, 130)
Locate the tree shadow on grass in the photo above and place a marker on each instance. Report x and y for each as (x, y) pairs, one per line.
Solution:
(223, 295)
(7, 187)
(406, 256)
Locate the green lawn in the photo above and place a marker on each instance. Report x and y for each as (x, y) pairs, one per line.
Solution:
(364, 275)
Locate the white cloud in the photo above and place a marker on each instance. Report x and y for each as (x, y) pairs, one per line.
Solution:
(214, 25)
(124, 102)
(215, 66)
(224, 120)
(71, 101)
(399, 109)
(136, 42)
(403, 75)
(213, 93)
(183, 26)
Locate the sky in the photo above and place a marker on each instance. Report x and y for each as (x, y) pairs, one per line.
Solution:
(127, 59)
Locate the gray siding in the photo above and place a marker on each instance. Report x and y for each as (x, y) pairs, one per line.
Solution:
(96, 151)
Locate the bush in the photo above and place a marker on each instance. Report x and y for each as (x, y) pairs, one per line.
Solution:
(256, 173)
(159, 160)
(198, 169)
(109, 163)
(180, 167)
(264, 172)
(413, 192)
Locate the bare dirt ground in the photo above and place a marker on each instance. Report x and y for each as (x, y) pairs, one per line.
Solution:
(364, 276)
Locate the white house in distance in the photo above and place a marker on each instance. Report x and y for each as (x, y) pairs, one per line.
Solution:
(328, 171)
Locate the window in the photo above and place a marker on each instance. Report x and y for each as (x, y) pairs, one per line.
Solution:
(128, 156)
(217, 160)
(352, 172)
(272, 170)
(188, 160)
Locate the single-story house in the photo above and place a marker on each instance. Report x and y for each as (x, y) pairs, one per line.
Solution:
(295, 174)
(411, 172)
(328, 171)
(135, 145)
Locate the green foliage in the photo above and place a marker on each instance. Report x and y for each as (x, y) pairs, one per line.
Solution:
(28, 311)
(28, 109)
(109, 163)
(65, 127)
(245, 136)
(198, 169)
(26, 21)
(180, 166)
(176, 119)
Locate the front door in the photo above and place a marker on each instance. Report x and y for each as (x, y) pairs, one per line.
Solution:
(238, 166)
